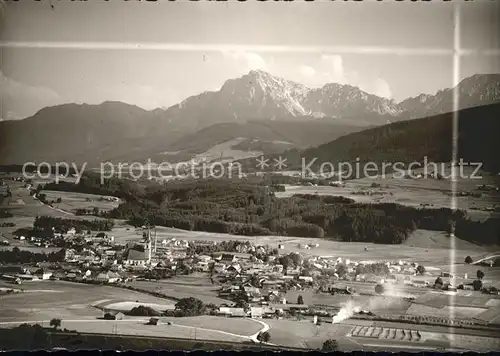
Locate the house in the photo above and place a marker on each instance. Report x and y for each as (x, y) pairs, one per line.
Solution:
(270, 284)
(256, 312)
(306, 279)
(292, 271)
(291, 306)
(44, 275)
(318, 265)
(250, 290)
(219, 267)
(278, 268)
(273, 296)
(369, 277)
(204, 258)
(114, 315)
(233, 312)
(202, 266)
(227, 258)
(420, 283)
(108, 277)
(337, 289)
(391, 279)
(395, 268)
(227, 291)
(154, 321)
(234, 268)
(27, 277)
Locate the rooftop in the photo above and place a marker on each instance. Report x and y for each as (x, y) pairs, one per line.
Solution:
(136, 255)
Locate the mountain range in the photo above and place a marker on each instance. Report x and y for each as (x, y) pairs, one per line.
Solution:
(267, 113)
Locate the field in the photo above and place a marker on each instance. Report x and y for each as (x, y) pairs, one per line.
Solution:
(476, 343)
(72, 201)
(230, 325)
(197, 286)
(125, 307)
(306, 334)
(413, 192)
(135, 326)
(458, 312)
(78, 305)
(79, 308)
(49, 299)
(25, 213)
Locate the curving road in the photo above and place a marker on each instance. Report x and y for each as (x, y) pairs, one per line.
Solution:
(487, 258)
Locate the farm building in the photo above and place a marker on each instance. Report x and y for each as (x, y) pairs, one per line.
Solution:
(108, 277)
(259, 312)
(420, 283)
(219, 267)
(226, 258)
(290, 306)
(256, 312)
(234, 312)
(306, 279)
(154, 321)
(27, 277)
(113, 315)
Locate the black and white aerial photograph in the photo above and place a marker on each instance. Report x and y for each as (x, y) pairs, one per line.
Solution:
(250, 175)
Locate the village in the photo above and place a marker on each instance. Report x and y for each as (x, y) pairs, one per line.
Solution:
(107, 270)
(256, 281)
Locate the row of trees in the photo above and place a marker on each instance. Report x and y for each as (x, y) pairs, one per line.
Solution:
(22, 256)
(378, 269)
(59, 225)
(477, 284)
(94, 211)
(5, 214)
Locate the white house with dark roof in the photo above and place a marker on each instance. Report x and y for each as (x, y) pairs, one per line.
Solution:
(108, 277)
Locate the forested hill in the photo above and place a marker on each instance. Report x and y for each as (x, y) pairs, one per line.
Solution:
(409, 141)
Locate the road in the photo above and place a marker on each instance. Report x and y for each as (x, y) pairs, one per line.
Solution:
(487, 258)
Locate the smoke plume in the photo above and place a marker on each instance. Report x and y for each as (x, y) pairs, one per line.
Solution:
(390, 296)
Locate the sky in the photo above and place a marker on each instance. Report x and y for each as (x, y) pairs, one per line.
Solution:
(156, 54)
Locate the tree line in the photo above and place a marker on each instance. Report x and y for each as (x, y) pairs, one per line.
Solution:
(48, 225)
(22, 256)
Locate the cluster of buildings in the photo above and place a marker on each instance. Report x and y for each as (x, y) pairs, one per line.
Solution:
(20, 274)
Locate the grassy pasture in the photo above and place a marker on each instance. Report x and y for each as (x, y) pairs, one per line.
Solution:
(73, 201)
